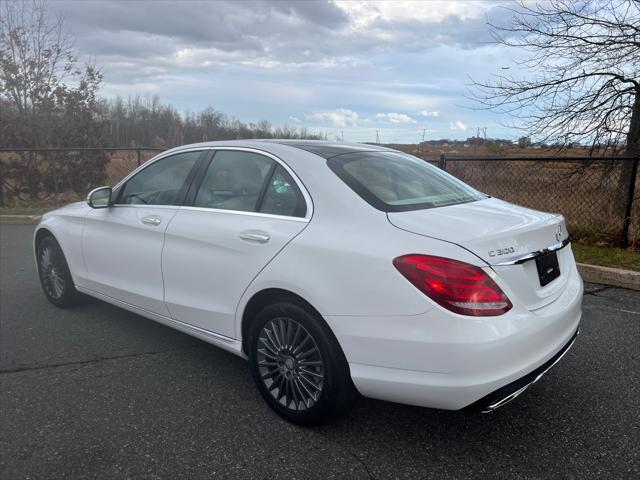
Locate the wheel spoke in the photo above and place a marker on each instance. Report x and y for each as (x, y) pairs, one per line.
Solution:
(304, 380)
(309, 363)
(307, 391)
(288, 397)
(308, 372)
(46, 257)
(265, 363)
(58, 286)
(288, 332)
(272, 348)
(281, 384)
(304, 355)
(282, 328)
(302, 396)
(271, 373)
(273, 336)
(270, 355)
(294, 394)
(302, 343)
(275, 383)
(296, 336)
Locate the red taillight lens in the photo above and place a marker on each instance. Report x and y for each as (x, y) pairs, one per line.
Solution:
(457, 286)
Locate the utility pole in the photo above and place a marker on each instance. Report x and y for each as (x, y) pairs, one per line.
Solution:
(424, 132)
(377, 137)
(475, 144)
(342, 135)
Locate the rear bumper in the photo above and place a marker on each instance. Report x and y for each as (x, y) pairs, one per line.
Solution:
(442, 360)
(504, 395)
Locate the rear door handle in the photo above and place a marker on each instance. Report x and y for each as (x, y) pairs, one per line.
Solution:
(255, 236)
(153, 220)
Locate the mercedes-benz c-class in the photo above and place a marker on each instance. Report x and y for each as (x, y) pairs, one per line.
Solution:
(333, 268)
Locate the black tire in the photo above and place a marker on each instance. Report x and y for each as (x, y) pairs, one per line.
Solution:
(291, 370)
(54, 274)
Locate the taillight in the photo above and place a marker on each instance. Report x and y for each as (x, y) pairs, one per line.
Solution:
(457, 286)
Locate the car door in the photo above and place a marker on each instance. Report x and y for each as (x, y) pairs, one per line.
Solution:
(246, 208)
(122, 244)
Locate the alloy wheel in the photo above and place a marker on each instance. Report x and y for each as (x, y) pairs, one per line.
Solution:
(290, 364)
(51, 271)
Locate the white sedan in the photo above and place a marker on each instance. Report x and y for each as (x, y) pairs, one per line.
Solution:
(334, 268)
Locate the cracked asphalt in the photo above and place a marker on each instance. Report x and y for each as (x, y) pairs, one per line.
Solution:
(97, 392)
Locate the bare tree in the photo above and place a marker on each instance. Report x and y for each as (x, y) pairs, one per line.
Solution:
(36, 54)
(46, 100)
(579, 80)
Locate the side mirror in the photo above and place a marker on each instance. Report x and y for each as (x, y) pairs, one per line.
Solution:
(99, 197)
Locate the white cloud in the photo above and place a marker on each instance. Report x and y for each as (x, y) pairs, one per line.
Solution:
(457, 125)
(395, 117)
(294, 119)
(427, 113)
(363, 13)
(340, 117)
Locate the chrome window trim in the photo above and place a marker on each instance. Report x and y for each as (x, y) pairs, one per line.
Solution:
(305, 194)
(242, 212)
(529, 256)
(144, 205)
(151, 161)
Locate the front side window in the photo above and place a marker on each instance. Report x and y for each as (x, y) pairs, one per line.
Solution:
(395, 182)
(160, 183)
(234, 181)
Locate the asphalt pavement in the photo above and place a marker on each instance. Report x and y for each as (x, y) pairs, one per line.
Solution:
(97, 392)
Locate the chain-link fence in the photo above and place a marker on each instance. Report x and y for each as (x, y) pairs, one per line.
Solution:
(50, 177)
(598, 196)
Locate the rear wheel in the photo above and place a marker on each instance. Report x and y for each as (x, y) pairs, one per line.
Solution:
(54, 274)
(298, 365)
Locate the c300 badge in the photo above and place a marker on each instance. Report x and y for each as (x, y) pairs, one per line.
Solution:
(502, 251)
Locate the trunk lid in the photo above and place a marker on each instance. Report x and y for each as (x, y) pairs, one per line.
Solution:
(499, 233)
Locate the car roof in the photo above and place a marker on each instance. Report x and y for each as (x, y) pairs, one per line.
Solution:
(327, 149)
(321, 148)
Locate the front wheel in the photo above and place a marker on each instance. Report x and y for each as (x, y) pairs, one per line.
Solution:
(298, 365)
(54, 274)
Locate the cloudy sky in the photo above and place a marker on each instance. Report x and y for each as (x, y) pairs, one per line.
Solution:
(338, 66)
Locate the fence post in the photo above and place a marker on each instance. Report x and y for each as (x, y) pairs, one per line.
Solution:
(52, 165)
(138, 150)
(1, 189)
(442, 163)
(627, 212)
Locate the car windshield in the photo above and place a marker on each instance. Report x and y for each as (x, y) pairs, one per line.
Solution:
(395, 182)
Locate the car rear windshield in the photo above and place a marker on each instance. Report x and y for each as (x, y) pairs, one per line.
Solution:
(395, 182)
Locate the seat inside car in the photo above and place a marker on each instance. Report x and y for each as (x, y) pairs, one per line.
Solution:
(235, 184)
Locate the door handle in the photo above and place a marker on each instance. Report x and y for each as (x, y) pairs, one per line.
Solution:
(255, 236)
(153, 220)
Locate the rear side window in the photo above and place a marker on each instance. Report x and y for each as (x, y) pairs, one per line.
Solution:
(249, 182)
(159, 183)
(234, 181)
(282, 197)
(395, 182)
